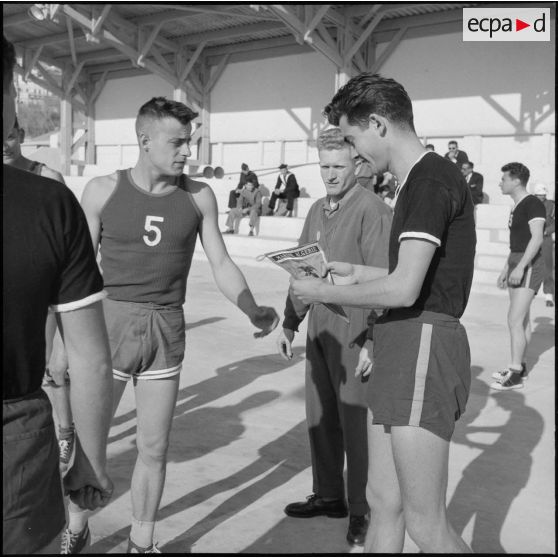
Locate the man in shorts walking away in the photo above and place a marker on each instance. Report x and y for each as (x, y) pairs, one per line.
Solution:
(145, 222)
(523, 273)
(351, 224)
(48, 261)
(421, 362)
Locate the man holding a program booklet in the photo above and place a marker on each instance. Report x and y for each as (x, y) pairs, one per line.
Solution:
(349, 224)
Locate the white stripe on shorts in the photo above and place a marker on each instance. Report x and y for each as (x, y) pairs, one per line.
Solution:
(528, 276)
(420, 374)
(148, 374)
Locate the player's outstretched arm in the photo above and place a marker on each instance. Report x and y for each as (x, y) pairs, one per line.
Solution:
(89, 363)
(228, 277)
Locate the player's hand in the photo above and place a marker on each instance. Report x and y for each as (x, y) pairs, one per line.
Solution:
(307, 289)
(87, 488)
(284, 343)
(501, 282)
(516, 276)
(364, 365)
(266, 319)
(342, 273)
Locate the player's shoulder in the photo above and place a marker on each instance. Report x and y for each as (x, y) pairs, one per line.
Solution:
(99, 189)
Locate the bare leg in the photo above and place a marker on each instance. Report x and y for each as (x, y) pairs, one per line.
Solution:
(421, 462)
(386, 530)
(518, 323)
(155, 402)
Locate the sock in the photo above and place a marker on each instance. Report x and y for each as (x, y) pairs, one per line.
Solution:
(548, 296)
(77, 518)
(515, 368)
(141, 533)
(65, 433)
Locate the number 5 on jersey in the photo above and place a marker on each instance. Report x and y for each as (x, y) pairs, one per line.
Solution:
(151, 228)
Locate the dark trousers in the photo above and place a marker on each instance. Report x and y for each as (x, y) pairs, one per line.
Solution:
(336, 413)
(548, 260)
(33, 507)
(288, 195)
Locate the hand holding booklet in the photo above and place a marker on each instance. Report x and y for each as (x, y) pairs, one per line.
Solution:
(303, 261)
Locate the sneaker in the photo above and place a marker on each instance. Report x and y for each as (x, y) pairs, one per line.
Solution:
(315, 506)
(501, 374)
(251, 233)
(74, 544)
(228, 232)
(133, 548)
(358, 526)
(513, 380)
(65, 450)
(549, 303)
(269, 212)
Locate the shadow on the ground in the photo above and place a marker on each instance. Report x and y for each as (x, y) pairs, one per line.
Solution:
(211, 428)
(278, 462)
(542, 339)
(492, 480)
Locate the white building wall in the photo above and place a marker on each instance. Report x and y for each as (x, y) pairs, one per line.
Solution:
(496, 99)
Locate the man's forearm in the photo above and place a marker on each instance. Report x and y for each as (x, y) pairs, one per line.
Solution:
(531, 250)
(365, 273)
(233, 285)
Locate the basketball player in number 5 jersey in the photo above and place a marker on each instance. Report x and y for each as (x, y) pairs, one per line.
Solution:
(145, 222)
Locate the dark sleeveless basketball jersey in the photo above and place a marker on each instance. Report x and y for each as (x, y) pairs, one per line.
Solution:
(147, 242)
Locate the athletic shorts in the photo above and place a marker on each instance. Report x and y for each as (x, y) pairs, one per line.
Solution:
(421, 373)
(147, 341)
(33, 505)
(534, 272)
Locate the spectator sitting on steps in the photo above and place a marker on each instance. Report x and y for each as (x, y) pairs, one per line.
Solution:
(249, 202)
(286, 189)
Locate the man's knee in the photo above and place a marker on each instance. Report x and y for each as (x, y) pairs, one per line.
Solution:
(423, 526)
(383, 500)
(153, 451)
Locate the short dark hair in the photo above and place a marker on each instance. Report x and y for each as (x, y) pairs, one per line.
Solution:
(244, 166)
(160, 107)
(469, 163)
(332, 139)
(429, 146)
(371, 93)
(454, 142)
(517, 170)
(8, 63)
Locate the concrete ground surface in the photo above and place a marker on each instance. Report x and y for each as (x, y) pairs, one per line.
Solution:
(239, 450)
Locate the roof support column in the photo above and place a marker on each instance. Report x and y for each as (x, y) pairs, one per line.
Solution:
(66, 134)
(90, 144)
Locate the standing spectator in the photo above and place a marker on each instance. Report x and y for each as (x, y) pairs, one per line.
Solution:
(430, 147)
(524, 269)
(474, 180)
(286, 189)
(455, 155)
(351, 225)
(548, 243)
(48, 261)
(422, 367)
(56, 380)
(249, 203)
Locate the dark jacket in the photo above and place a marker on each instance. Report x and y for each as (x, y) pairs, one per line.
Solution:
(461, 158)
(291, 187)
(475, 181)
(248, 177)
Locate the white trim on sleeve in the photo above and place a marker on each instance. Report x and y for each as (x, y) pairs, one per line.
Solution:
(536, 219)
(420, 236)
(77, 304)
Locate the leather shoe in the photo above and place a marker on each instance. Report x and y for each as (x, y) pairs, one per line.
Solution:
(358, 526)
(315, 506)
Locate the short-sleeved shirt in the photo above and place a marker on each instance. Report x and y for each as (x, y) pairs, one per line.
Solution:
(434, 205)
(528, 210)
(48, 261)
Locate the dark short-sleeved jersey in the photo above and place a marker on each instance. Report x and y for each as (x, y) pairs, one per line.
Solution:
(434, 205)
(48, 260)
(528, 210)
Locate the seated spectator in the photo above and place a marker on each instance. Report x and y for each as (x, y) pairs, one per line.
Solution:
(286, 189)
(455, 155)
(474, 180)
(246, 175)
(249, 202)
